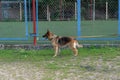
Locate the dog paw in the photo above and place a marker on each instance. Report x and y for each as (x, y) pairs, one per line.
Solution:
(76, 55)
(54, 55)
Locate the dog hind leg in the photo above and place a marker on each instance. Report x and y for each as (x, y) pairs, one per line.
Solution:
(74, 49)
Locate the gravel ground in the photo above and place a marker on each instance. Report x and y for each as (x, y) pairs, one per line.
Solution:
(86, 69)
(20, 71)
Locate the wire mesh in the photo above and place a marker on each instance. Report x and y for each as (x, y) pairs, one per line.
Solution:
(11, 19)
(53, 10)
(103, 8)
(99, 18)
(59, 16)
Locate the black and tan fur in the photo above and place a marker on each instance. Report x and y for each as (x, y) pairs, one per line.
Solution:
(58, 42)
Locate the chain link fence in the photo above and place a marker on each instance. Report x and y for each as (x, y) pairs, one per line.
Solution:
(12, 23)
(11, 10)
(100, 10)
(100, 21)
(57, 10)
(67, 10)
(53, 10)
(60, 16)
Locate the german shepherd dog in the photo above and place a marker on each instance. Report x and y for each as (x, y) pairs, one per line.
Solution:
(58, 41)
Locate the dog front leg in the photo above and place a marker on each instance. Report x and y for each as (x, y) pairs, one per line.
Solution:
(56, 51)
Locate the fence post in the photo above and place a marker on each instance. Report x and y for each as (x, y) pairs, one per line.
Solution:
(0, 10)
(78, 18)
(118, 17)
(48, 13)
(20, 3)
(106, 10)
(93, 10)
(60, 5)
(29, 10)
(37, 29)
(75, 10)
(34, 22)
(26, 18)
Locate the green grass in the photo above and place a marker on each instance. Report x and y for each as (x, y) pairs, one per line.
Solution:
(46, 55)
(91, 63)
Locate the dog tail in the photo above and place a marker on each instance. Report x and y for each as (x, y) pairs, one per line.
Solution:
(79, 45)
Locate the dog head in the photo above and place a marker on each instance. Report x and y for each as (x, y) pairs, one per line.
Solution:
(48, 35)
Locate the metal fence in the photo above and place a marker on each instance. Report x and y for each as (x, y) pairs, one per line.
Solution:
(12, 24)
(54, 10)
(97, 18)
(67, 10)
(11, 10)
(60, 10)
(57, 10)
(102, 20)
(98, 10)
